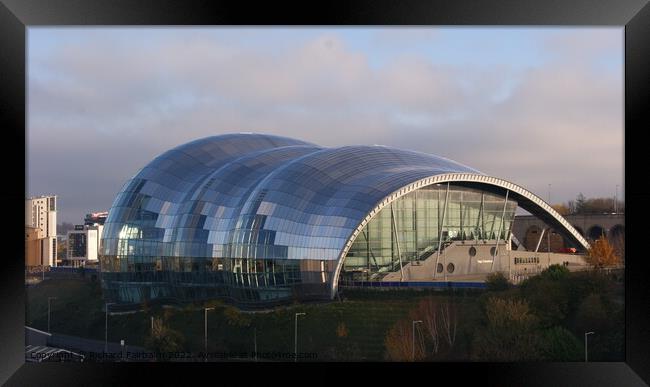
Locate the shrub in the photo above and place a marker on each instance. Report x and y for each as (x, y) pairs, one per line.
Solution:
(558, 344)
(555, 272)
(497, 281)
(511, 333)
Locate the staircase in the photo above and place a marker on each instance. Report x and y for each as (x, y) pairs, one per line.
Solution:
(421, 269)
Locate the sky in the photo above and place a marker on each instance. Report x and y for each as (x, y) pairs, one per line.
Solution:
(535, 106)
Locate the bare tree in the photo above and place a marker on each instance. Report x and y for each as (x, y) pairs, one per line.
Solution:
(448, 317)
(428, 311)
(399, 342)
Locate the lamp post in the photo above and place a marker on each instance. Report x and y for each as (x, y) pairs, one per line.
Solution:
(587, 334)
(548, 235)
(205, 327)
(48, 312)
(106, 326)
(295, 345)
(616, 200)
(255, 342)
(413, 339)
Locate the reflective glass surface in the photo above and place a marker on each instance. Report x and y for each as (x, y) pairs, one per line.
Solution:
(415, 226)
(255, 218)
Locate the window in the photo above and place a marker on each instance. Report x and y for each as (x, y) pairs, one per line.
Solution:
(450, 268)
(440, 268)
(472, 251)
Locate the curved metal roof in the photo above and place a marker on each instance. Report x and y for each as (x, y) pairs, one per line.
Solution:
(202, 198)
(253, 195)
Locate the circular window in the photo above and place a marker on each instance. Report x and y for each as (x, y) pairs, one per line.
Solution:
(472, 251)
(493, 251)
(451, 268)
(440, 267)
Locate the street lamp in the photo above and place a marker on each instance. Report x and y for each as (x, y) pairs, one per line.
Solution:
(616, 200)
(295, 346)
(255, 342)
(587, 334)
(549, 194)
(106, 327)
(413, 337)
(48, 312)
(205, 315)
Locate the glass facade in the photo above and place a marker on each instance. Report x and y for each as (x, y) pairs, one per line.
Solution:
(77, 244)
(415, 226)
(258, 218)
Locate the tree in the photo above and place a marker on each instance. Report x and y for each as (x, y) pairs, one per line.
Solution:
(163, 339)
(511, 332)
(618, 243)
(341, 330)
(345, 348)
(579, 204)
(449, 322)
(428, 312)
(555, 272)
(235, 317)
(61, 249)
(598, 313)
(561, 209)
(601, 254)
(399, 342)
(497, 281)
(558, 344)
(547, 295)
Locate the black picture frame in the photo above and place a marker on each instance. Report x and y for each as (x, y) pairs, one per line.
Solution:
(17, 15)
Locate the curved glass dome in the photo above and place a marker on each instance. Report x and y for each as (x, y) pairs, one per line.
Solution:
(255, 218)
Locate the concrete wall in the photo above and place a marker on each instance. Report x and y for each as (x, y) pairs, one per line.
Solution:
(472, 260)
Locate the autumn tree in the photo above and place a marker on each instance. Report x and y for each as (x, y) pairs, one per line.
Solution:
(341, 330)
(561, 209)
(435, 334)
(601, 254)
(399, 342)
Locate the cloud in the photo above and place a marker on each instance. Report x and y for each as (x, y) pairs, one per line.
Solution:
(103, 106)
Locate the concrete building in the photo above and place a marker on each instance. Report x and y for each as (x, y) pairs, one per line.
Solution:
(33, 255)
(40, 214)
(83, 245)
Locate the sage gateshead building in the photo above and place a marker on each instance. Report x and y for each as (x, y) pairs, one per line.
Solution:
(260, 219)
